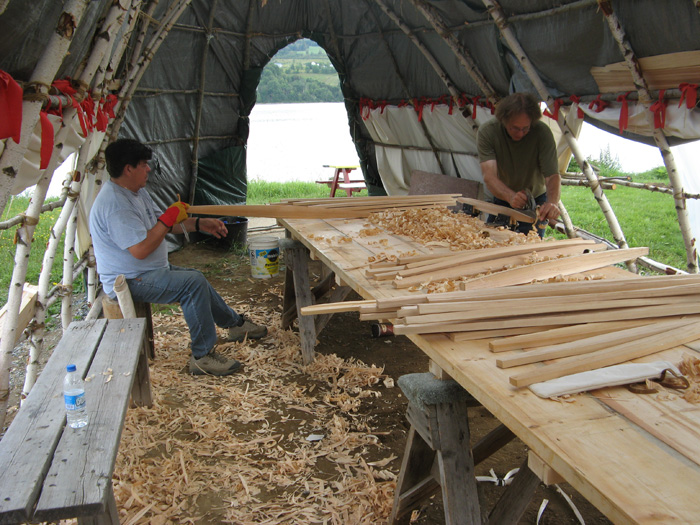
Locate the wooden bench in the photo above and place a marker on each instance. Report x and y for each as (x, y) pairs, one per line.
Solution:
(341, 179)
(51, 471)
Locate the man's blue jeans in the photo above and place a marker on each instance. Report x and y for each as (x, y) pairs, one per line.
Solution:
(201, 305)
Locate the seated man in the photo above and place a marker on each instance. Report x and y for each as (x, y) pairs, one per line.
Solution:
(128, 234)
(518, 155)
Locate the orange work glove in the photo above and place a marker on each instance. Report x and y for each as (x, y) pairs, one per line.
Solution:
(175, 214)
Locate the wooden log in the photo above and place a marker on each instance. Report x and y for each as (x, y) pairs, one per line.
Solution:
(610, 356)
(26, 310)
(645, 312)
(589, 344)
(549, 269)
(495, 209)
(560, 335)
(126, 303)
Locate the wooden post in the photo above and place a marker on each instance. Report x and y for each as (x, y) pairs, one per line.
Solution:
(618, 33)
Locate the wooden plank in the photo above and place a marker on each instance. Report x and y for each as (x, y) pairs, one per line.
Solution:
(543, 471)
(75, 485)
(610, 356)
(495, 209)
(660, 72)
(589, 344)
(543, 308)
(489, 334)
(26, 310)
(560, 335)
(334, 308)
(27, 448)
(549, 269)
(645, 312)
(602, 297)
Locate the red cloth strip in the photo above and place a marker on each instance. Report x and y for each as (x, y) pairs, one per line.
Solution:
(689, 93)
(46, 140)
(624, 112)
(557, 104)
(659, 109)
(10, 107)
(598, 104)
(577, 100)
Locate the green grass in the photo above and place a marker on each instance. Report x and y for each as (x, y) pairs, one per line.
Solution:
(646, 218)
(263, 192)
(16, 206)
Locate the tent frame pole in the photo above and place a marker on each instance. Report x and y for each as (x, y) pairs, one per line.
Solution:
(200, 101)
(618, 32)
(499, 17)
(433, 63)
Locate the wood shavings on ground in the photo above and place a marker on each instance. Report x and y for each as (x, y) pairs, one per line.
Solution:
(234, 449)
(439, 225)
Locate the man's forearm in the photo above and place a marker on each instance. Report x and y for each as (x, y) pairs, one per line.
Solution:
(154, 237)
(553, 183)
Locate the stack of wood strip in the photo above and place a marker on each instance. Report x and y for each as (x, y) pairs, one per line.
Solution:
(328, 208)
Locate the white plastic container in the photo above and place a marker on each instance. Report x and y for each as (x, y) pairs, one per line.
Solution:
(74, 398)
(264, 257)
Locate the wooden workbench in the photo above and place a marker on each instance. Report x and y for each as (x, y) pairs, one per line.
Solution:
(643, 467)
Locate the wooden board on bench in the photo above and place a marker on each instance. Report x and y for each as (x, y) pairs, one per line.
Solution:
(51, 471)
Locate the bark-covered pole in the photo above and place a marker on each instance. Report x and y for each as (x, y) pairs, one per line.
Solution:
(645, 99)
(35, 96)
(509, 36)
(68, 266)
(431, 61)
(464, 57)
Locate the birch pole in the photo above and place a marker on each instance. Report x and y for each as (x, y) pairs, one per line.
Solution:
(645, 99)
(39, 83)
(24, 237)
(499, 17)
(68, 264)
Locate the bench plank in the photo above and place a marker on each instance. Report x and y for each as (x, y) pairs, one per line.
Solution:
(27, 447)
(79, 482)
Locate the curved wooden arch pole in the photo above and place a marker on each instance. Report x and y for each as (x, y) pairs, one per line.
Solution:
(645, 99)
(499, 17)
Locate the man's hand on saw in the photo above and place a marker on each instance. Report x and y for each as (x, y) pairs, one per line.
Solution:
(175, 214)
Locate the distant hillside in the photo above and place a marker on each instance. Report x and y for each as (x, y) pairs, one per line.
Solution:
(301, 72)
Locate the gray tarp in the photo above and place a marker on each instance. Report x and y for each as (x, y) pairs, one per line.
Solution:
(375, 60)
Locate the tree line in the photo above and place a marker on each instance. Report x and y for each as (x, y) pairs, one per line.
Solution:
(293, 84)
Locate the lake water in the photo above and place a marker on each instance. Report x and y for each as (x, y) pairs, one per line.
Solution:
(294, 141)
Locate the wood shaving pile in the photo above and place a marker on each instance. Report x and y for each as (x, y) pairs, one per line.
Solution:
(235, 449)
(690, 368)
(459, 231)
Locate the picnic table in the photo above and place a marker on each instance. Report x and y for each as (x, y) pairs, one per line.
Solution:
(635, 457)
(342, 179)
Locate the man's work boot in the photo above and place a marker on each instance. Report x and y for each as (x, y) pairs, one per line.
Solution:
(213, 364)
(248, 330)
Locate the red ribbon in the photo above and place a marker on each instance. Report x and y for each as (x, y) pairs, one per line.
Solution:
(10, 107)
(624, 111)
(577, 100)
(659, 109)
(598, 104)
(475, 104)
(689, 93)
(557, 104)
(46, 140)
(419, 104)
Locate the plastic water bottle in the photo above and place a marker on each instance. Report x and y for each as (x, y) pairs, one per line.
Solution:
(74, 397)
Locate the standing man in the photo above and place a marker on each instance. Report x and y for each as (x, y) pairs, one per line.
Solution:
(128, 234)
(518, 155)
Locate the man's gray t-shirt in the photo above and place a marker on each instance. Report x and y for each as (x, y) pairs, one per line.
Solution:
(120, 219)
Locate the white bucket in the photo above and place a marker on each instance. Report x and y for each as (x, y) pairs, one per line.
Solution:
(264, 257)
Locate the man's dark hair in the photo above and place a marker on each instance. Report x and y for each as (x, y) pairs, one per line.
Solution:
(516, 104)
(125, 151)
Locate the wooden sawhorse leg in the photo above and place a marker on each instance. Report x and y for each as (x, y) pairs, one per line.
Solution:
(298, 293)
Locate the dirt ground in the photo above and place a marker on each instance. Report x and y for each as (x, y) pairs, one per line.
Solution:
(381, 415)
(349, 338)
